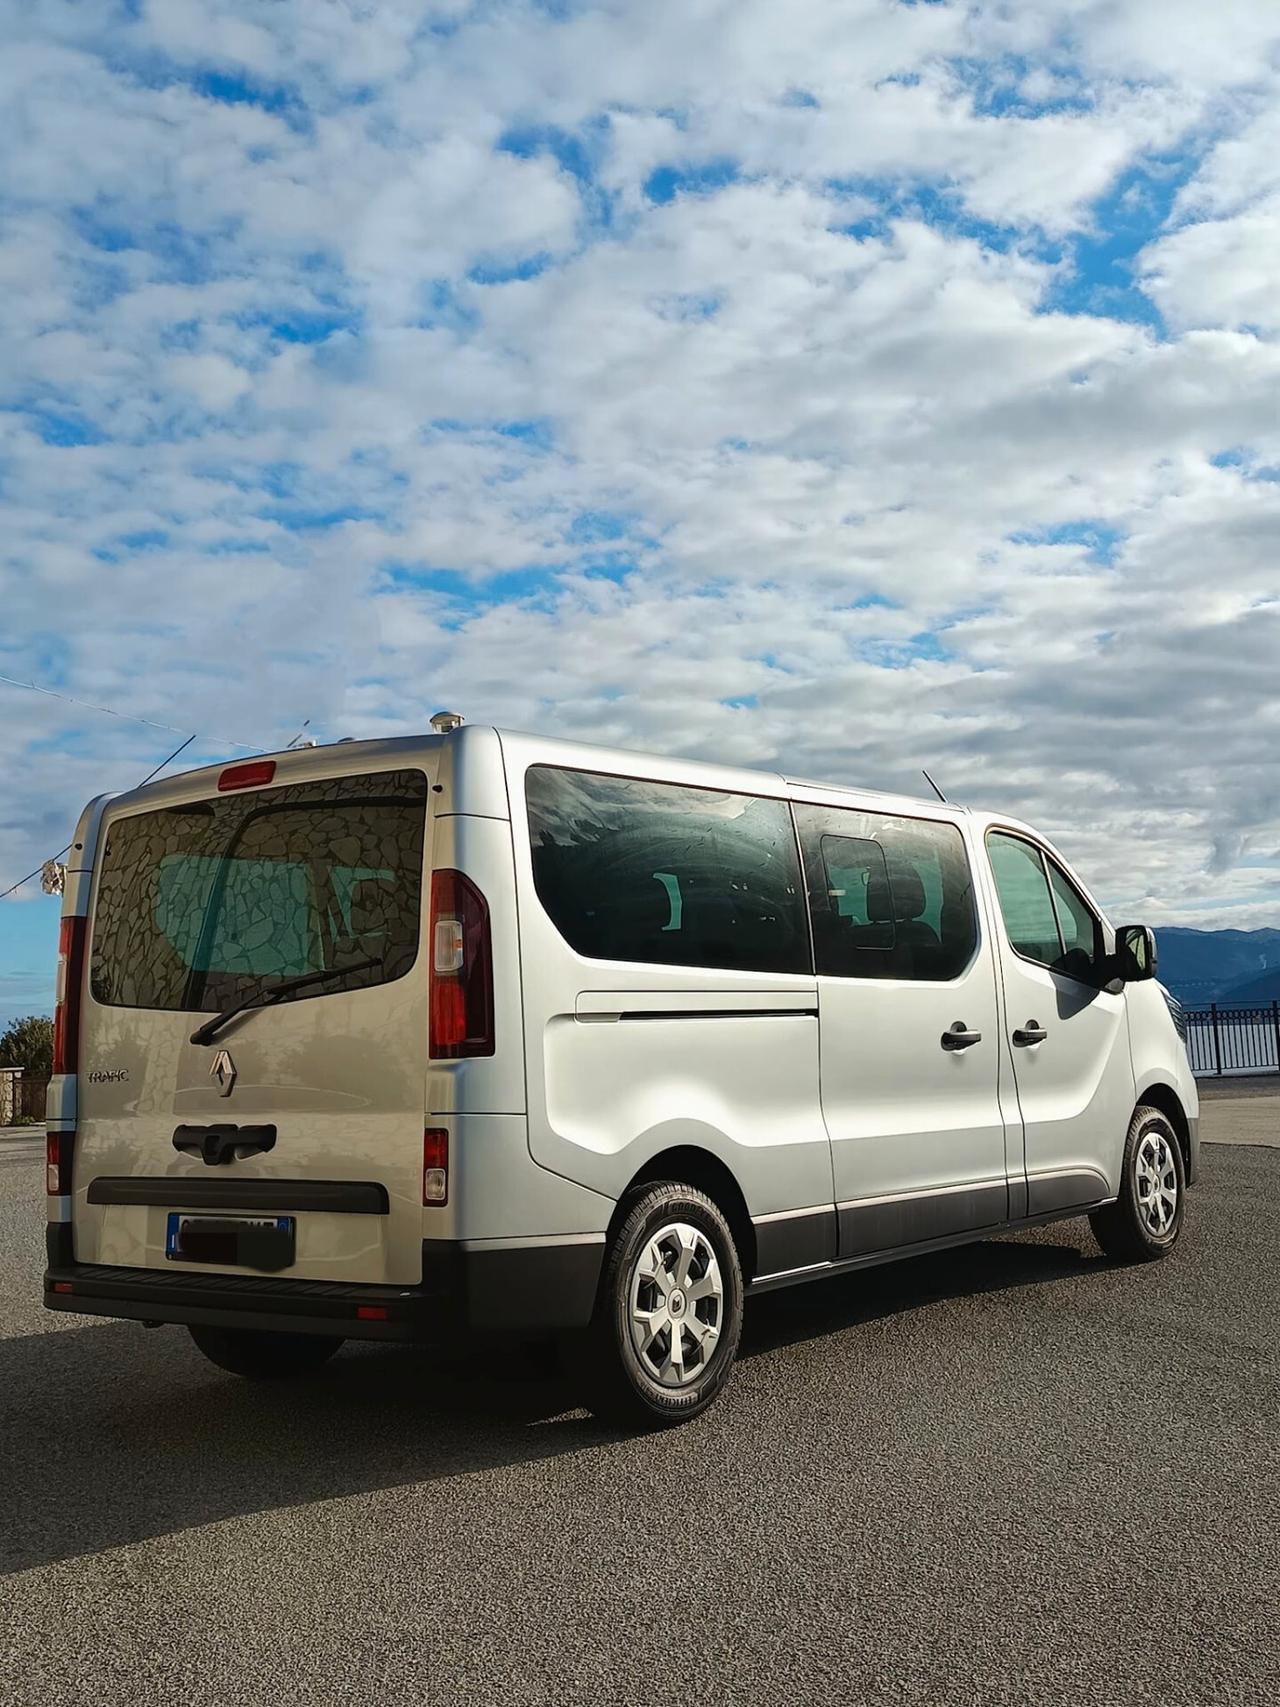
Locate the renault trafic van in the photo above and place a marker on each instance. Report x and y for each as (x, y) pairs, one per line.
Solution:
(480, 1032)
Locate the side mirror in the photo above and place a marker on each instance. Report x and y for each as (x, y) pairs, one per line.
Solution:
(1135, 953)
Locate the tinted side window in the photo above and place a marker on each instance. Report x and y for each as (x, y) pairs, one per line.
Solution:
(651, 872)
(1025, 901)
(1077, 924)
(1076, 917)
(1047, 918)
(890, 897)
(857, 881)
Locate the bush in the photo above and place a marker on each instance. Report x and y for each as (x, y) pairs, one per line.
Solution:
(29, 1043)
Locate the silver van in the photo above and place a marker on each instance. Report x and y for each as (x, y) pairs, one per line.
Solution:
(479, 1032)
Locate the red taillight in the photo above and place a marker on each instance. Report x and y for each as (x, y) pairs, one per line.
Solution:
(66, 1012)
(252, 775)
(461, 969)
(435, 1166)
(57, 1174)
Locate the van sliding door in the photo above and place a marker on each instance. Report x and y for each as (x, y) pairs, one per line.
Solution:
(909, 1037)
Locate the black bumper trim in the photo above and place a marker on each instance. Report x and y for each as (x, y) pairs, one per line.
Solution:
(235, 1301)
(179, 1191)
(59, 1250)
(524, 1289)
(521, 1288)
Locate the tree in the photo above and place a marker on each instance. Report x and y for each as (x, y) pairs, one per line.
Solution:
(29, 1043)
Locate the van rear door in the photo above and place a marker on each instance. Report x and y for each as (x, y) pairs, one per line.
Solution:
(299, 894)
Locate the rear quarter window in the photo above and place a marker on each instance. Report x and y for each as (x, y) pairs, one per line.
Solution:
(666, 875)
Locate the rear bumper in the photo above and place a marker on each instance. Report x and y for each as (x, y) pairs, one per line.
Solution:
(491, 1286)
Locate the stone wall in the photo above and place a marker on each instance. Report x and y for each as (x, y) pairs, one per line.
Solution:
(20, 1098)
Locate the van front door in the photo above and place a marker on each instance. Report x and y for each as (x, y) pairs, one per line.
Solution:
(1067, 1035)
(908, 1028)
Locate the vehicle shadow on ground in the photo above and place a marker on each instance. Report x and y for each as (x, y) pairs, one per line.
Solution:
(113, 1433)
(832, 1305)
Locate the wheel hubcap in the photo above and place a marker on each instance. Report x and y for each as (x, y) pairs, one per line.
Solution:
(676, 1304)
(1157, 1182)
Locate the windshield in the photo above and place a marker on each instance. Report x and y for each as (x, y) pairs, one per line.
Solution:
(200, 906)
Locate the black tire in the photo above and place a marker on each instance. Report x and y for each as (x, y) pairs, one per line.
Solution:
(621, 1385)
(264, 1356)
(1126, 1229)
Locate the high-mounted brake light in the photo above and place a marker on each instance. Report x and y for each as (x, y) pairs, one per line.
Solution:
(435, 1165)
(59, 1147)
(252, 775)
(66, 1010)
(461, 1003)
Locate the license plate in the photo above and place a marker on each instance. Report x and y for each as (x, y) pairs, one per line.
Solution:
(263, 1242)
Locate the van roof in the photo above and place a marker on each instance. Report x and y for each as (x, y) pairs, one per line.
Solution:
(301, 763)
(484, 787)
(695, 772)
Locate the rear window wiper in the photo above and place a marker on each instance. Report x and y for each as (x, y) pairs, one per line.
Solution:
(264, 998)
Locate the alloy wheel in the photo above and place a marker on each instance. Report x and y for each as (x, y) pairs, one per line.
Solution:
(676, 1304)
(1156, 1178)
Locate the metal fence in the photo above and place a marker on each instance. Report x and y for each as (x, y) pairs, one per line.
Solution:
(1227, 1038)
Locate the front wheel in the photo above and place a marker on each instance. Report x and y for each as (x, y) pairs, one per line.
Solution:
(669, 1311)
(263, 1356)
(1143, 1223)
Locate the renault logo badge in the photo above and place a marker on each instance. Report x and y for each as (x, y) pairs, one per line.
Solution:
(223, 1073)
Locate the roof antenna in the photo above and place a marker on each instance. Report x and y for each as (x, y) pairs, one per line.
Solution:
(933, 785)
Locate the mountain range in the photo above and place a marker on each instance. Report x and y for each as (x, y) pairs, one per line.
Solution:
(1219, 966)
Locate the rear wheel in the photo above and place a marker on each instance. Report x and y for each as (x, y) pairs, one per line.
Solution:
(669, 1311)
(264, 1356)
(1143, 1223)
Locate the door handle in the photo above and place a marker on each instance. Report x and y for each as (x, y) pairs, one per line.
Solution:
(1031, 1032)
(959, 1037)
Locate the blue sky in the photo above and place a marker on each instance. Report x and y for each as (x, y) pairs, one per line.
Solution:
(843, 386)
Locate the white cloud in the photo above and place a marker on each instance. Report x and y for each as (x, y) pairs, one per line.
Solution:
(1220, 272)
(317, 318)
(1218, 267)
(1174, 40)
(1243, 165)
(212, 380)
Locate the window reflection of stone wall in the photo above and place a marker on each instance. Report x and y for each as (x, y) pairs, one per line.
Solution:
(200, 905)
(668, 875)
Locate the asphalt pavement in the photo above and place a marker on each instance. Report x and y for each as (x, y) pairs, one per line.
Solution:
(1011, 1474)
(1251, 1119)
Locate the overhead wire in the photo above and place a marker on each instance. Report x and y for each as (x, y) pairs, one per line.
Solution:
(127, 716)
(4, 894)
(35, 873)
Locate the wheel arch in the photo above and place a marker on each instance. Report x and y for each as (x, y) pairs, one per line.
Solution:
(689, 1165)
(1163, 1097)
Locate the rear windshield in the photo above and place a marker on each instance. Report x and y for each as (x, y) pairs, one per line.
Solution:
(202, 905)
